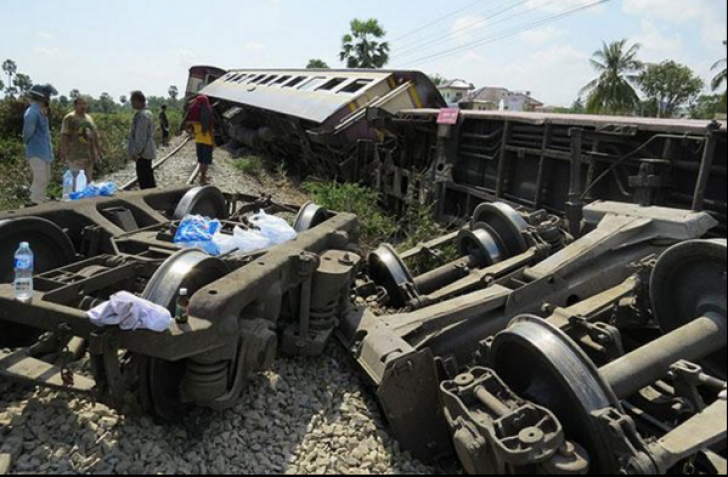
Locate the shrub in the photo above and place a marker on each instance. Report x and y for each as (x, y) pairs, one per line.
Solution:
(250, 166)
(376, 225)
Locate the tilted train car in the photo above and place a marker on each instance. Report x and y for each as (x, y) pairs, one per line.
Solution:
(317, 118)
(200, 77)
(549, 161)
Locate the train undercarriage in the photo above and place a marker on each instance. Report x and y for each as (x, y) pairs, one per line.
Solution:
(240, 303)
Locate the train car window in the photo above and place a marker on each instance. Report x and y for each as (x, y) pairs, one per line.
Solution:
(332, 84)
(295, 82)
(268, 80)
(312, 84)
(258, 79)
(356, 86)
(282, 80)
(241, 79)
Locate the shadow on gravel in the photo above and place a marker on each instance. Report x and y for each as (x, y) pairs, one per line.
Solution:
(307, 416)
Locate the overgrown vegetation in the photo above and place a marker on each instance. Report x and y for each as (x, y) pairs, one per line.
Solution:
(415, 227)
(251, 166)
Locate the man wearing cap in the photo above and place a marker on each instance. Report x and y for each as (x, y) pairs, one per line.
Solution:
(37, 140)
(141, 148)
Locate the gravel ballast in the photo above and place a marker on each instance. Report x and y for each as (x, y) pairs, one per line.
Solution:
(306, 416)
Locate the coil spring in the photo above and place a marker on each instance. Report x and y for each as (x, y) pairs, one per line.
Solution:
(323, 319)
(205, 381)
(551, 233)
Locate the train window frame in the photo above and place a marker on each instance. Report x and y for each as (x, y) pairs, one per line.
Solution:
(282, 80)
(295, 82)
(267, 81)
(357, 86)
(332, 84)
(257, 79)
(312, 84)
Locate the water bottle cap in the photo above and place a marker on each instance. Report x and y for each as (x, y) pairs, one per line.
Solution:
(24, 245)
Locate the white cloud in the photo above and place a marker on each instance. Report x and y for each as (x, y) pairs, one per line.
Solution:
(186, 58)
(465, 29)
(554, 74)
(254, 46)
(540, 37)
(47, 36)
(557, 6)
(656, 45)
(707, 14)
(46, 50)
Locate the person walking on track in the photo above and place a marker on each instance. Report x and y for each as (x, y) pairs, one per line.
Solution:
(37, 140)
(164, 126)
(80, 147)
(141, 148)
(200, 120)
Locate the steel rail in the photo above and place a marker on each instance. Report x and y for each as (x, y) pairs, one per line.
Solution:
(160, 163)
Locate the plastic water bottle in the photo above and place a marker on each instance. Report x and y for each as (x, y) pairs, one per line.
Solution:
(182, 307)
(81, 181)
(67, 185)
(24, 273)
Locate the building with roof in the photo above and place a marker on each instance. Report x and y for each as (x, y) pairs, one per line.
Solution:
(495, 99)
(455, 91)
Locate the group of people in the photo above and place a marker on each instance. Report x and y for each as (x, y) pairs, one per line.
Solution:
(81, 148)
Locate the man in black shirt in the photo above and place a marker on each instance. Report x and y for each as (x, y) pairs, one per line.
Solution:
(164, 124)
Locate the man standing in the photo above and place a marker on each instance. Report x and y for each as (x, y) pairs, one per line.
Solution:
(37, 140)
(80, 147)
(142, 148)
(200, 119)
(164, 125)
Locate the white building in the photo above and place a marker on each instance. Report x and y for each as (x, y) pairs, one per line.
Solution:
(455, 91)
(493, 99)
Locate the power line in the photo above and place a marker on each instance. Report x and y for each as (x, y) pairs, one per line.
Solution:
(447, 37)
(440, 20)
(516, 31)
(494, 6)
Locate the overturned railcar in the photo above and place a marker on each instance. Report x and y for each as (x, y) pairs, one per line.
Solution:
(549, 161)
(316, 118)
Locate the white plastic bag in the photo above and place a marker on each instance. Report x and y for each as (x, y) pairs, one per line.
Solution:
(130, 313)
(249, 241)
(276, 229)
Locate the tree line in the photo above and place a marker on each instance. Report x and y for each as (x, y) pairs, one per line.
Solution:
(669, 89)
(19, 84)
(666, 87)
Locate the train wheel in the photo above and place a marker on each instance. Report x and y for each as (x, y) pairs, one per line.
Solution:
(160, 381)
(52, 249)
(206, 201)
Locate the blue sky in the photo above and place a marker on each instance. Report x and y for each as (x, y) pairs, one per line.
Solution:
(115, 46)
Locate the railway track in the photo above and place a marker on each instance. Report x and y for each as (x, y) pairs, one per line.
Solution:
(170, 170)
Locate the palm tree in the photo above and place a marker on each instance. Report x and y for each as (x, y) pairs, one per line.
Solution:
(722, 75)
(360, 47)
(613, 92)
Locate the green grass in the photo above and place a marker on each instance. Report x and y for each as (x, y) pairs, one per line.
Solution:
(250, 166)
(376, 225)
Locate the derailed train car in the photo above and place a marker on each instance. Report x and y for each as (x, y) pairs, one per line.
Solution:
(549, 161)
(316, 118)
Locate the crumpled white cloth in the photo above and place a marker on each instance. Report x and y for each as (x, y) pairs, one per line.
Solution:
(131, 313)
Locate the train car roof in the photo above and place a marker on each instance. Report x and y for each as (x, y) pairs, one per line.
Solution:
(646, 124)
(312, 95)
